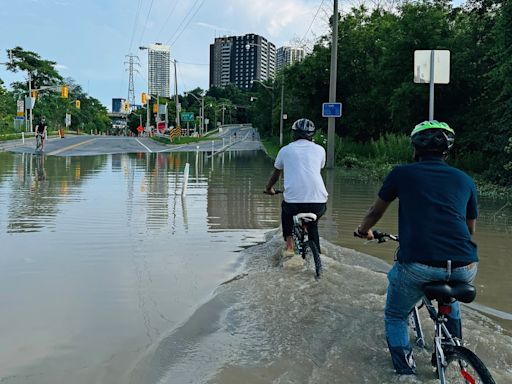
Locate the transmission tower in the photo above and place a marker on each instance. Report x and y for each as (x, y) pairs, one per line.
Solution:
(133, 64)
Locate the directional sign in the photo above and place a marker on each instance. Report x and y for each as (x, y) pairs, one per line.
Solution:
(331, 109)
(187, 117)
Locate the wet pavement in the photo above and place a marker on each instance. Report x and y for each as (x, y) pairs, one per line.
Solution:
(232, 138)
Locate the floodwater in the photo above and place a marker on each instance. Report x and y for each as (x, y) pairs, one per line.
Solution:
(108, 274)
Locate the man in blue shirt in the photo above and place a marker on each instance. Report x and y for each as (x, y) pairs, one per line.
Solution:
(436, 218)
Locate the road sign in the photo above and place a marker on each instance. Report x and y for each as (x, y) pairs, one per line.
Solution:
(422, 63)
(20, 107)
(331, 109)
(187, 117)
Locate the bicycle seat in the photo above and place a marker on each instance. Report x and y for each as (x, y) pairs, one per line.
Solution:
(443, 291)
(307, 217)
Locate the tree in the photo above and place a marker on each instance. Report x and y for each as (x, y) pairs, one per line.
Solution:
(42, 72)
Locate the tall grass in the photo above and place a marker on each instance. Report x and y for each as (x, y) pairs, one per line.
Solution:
(390, 148)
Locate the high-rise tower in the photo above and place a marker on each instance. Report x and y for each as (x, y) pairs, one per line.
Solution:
(241, 59)
(159, 69)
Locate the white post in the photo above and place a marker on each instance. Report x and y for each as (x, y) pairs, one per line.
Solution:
(431, 86)
(23, 137)
(223, 145)
(185, 180)
(213, 147)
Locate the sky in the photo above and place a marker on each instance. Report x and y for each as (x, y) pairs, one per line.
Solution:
(89, 39)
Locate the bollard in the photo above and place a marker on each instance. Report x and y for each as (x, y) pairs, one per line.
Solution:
(213, 147)
(23, 137)
(185, 180)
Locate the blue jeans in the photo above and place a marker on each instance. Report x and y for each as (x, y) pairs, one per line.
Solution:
(404, 291)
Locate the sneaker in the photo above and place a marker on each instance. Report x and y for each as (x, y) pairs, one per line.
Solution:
(287, 253)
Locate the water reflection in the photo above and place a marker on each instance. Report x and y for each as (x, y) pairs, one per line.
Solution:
(102, 255)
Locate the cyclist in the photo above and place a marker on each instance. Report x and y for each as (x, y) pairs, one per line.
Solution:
(41, 130)
(436, 218)
(304, 190)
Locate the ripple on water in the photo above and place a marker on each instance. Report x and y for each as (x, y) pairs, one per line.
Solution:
(280, 325)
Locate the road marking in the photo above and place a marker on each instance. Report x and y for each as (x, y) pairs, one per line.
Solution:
(69, 147)
(149, 150)
(173, 148)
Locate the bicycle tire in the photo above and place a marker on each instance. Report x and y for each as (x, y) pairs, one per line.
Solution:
(39, 143)
(316, 258)
(463, 366)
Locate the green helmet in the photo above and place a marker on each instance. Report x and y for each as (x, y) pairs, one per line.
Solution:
(432, 135)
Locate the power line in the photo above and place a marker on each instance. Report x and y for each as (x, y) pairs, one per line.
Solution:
(135, 25)
(188, 22)
(312, 21)
(168, 17)
(146, 23)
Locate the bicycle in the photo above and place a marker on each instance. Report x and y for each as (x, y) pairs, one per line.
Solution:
(39, 142)
(454, 362)
(304, 247)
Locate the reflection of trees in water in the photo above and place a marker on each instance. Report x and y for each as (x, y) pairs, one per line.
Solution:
(38, 185)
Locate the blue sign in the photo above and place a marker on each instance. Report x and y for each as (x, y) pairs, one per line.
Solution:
(331, 110)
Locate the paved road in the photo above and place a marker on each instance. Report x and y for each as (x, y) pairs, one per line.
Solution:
(232, 139)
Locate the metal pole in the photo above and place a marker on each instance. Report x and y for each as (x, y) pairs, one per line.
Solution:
(281, 118)
(332, 88)
(176, 96)
(431, 86)
(271, 109)
(202, 114)
(147, 112)
(223, 109)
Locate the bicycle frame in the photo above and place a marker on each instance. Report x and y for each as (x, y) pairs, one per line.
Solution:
(442, 335)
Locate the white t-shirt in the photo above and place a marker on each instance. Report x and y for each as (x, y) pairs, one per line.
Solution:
(301, 162)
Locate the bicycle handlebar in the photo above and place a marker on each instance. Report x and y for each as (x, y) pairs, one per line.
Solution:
(380, 236)
(277, 192)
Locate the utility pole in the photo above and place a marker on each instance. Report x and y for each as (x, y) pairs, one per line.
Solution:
(331, 132)
(177, 100)
(133, 61)
(281, 113)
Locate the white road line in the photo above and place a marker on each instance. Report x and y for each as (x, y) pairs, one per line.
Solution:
(149, 150)
(69, 147)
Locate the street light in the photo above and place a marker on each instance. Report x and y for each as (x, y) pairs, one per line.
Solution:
(149, 94)
(281, 112)
(201, 100)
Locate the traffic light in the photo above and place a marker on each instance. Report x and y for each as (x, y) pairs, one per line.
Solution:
(143, 98)
(34, 94)
(155, 108)
(126, 106)
(77, 104)
(64, 91)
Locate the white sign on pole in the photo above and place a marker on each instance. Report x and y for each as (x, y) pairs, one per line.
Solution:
(68, 119)
(422, 61)
(20, 108)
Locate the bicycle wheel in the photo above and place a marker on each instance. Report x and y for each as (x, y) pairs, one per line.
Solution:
(464, 367)
(38, 143)
(311, 247)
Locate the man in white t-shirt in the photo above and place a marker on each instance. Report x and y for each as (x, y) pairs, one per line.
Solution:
(304, 190)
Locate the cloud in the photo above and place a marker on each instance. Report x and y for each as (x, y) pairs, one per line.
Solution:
(277, 20)
(61, 67)
(215, 27)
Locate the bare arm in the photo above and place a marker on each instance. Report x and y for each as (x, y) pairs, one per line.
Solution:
(471, 223)
(372, 217)
(273, 179)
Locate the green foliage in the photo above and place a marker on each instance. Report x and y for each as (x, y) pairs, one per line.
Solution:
(92, 115)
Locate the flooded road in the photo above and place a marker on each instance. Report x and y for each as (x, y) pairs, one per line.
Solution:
(109, 275)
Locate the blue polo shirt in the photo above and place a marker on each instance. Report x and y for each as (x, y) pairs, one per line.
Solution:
(435, 200)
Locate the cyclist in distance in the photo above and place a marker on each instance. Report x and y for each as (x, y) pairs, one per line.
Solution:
(304, 190)
(41, 130)
(436, 218)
